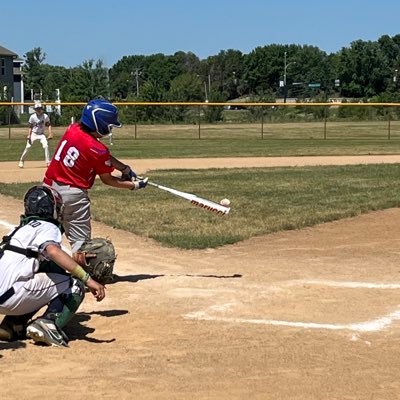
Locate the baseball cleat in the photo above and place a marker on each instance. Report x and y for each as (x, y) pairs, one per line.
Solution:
(21, 164)
(46, 332)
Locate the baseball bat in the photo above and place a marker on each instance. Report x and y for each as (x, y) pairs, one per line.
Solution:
(195, 200)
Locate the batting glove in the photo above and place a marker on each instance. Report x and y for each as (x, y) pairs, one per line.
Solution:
(139, 183)
(128, 174)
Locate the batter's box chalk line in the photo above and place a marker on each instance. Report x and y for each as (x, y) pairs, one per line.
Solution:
(374, 325)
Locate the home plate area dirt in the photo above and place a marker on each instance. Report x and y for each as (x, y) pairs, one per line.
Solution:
(308, 314)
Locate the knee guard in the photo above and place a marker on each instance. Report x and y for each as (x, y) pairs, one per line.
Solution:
(63, 307)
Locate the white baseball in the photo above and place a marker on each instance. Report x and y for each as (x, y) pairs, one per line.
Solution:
(225, 202)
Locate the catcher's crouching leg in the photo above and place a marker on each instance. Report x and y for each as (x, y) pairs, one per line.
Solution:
(48, 329)
(97, 256)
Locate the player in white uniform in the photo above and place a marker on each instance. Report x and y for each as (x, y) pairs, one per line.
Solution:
(35, 272)
(37, 123)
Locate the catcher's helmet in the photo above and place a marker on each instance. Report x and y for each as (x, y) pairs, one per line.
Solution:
(100, 116)
(43, 202)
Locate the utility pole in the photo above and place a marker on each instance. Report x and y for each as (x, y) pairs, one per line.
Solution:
(137, 73)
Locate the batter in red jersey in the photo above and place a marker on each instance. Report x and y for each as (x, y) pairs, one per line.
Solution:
(78, 159)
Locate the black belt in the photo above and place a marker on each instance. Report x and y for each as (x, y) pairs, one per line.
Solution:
(6, 295)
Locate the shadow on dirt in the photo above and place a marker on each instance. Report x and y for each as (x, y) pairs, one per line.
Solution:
(75, 330)
(141, 277)
(18, 344)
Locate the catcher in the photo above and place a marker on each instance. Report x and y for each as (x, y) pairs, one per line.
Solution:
(35, 272)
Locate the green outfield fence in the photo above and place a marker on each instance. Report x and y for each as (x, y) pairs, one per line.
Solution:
(228, 120)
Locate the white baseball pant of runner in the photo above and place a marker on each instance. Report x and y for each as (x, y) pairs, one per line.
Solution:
(43, 141)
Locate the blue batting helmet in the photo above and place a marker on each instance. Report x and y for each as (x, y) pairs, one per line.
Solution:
(100, 116)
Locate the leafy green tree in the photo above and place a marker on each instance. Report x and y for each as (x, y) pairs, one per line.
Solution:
(126, 77)
(186, 63)
(363, 69)
(214, 113)
(263, 68)
(34, 75)
(151, 92)
(56, 78)
(224, 73)
(185, 87)
(88, 81)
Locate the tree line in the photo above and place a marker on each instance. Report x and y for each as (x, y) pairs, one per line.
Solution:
(364, 70)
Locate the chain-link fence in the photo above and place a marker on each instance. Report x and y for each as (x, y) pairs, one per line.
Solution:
(226, 120)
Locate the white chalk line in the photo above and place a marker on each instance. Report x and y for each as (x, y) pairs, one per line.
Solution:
(367, 326)
(343, 284)
(7, 224)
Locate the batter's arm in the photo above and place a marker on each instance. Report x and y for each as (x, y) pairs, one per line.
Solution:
(117, 164)
(113, 181)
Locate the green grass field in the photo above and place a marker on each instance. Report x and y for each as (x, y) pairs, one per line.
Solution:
(231, 140)
(263, 200)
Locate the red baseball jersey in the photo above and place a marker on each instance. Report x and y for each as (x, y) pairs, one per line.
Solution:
(79, 157)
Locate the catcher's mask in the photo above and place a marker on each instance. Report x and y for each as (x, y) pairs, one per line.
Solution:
(43, 202)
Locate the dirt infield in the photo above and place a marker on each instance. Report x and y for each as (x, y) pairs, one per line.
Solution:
(309, 314)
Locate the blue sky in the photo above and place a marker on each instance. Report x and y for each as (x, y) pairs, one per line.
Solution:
(73, 31)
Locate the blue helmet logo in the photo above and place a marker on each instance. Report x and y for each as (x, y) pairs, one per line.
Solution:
(100, 116)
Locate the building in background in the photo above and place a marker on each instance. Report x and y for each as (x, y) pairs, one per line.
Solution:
(11, 82)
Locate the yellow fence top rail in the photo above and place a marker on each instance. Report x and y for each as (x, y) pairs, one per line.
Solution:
(237, 104)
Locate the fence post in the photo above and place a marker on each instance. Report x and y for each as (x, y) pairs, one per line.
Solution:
(199, 115)
(325, 117)
(262, 122)
(135, 115)
(9, 122)
(389, 125)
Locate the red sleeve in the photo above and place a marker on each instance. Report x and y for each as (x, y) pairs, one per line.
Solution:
(101, 159)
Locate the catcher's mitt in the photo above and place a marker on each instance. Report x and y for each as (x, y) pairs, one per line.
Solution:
(97, 257)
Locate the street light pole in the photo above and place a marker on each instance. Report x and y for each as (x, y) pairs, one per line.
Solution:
(286, 65)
